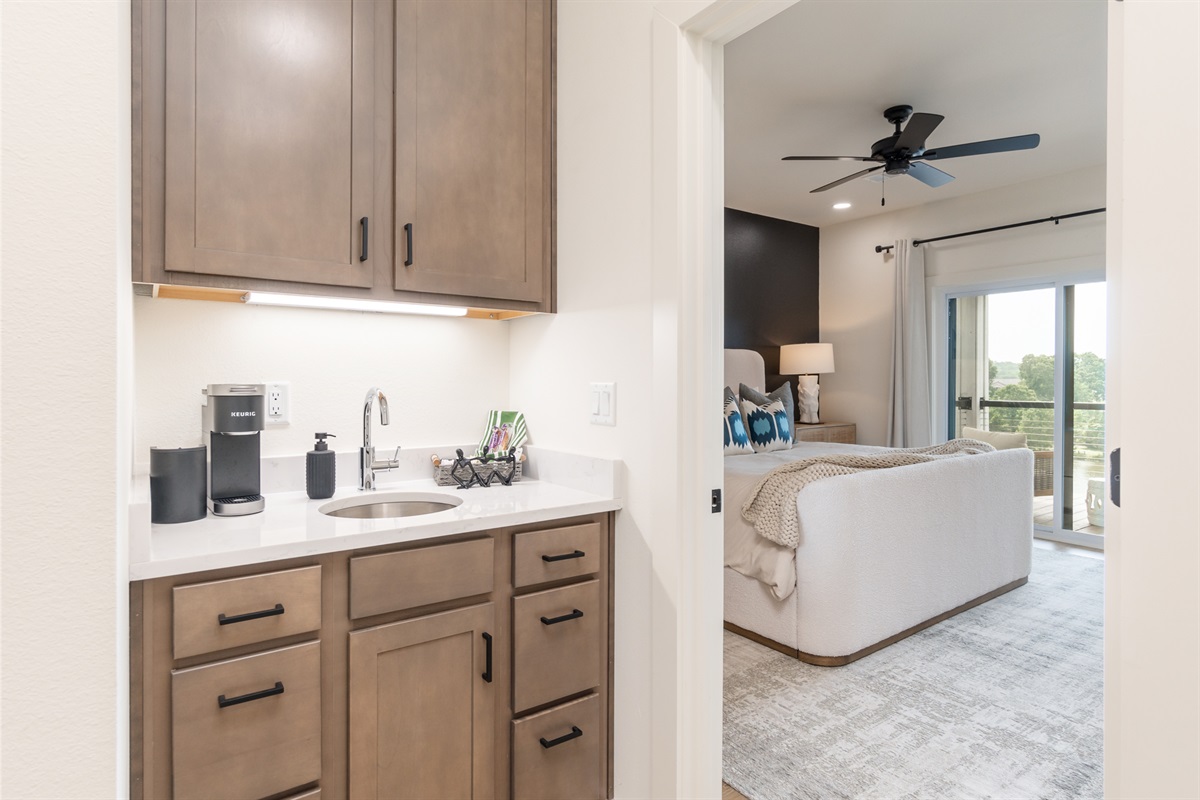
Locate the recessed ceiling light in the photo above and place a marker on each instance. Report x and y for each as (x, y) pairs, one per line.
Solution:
(840, 206)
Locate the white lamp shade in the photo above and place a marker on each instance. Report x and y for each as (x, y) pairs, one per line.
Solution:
(805, 359)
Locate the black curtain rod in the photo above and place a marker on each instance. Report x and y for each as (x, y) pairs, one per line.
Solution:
(879, 248)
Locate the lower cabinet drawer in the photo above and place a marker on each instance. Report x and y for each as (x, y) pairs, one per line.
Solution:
(557, 754)
(238, 611)
(418, 577)
(249, 726)
(556, 644)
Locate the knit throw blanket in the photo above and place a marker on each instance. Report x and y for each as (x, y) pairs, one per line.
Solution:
(771, 506)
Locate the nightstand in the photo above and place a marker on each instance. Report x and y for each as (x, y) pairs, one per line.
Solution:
(841, 432)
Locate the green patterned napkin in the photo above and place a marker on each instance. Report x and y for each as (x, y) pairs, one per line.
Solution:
(505, 431)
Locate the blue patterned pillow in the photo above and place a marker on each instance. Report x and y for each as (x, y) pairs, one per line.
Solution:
(736, 441)
(768, 425)
(782, 394)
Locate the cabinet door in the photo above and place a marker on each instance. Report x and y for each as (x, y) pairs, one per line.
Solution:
(473, 145)
(421, 712)
(269, 146)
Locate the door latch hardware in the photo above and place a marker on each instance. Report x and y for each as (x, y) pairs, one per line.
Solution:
(1114, 477)
(716, 501)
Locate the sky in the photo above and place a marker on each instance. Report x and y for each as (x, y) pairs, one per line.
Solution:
(1020, 323)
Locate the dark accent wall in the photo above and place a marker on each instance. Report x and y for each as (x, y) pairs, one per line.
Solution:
(771, 286)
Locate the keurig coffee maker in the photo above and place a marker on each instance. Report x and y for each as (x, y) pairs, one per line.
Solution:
(233, 418)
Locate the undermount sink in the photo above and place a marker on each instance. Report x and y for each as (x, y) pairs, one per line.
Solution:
(387, 505)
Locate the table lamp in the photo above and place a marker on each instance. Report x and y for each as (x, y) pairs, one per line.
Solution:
(806, 361)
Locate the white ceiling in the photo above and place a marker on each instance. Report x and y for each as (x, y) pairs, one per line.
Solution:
(815, 79)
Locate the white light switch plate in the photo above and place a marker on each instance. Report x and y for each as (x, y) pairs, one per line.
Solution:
(602, 403)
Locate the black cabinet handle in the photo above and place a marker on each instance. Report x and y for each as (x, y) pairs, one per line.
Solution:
(270, 612)
(574, 734)
(564, 556)
(363, 255)
(224, 702)
(408, 238)
(575, 614)
(487, 673)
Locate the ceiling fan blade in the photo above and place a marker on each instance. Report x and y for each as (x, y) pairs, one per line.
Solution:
(930, 176)
(847, 179)
(917, 131)
(827, 158)
(1008, 144)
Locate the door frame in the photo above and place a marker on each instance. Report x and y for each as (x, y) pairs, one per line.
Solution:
(1152, 600)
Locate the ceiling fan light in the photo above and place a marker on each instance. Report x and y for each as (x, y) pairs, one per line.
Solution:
(840, 206)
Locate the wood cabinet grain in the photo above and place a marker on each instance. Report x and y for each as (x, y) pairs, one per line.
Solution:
(473, 149)
(269, 152)
(421, 711)
(266, 131)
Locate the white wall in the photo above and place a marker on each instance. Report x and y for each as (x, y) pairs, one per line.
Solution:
(603, 331)
(857, 283)
(441, 375)
(65, 244)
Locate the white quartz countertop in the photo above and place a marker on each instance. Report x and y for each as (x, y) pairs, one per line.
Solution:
(291, 526)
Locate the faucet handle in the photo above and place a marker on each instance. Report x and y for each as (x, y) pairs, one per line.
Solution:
(395, 460)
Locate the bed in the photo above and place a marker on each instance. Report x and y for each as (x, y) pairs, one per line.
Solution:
(882, 553)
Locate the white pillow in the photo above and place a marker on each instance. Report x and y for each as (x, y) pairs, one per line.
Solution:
(997, 439)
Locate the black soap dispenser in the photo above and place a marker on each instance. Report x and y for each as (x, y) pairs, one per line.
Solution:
(319, 469)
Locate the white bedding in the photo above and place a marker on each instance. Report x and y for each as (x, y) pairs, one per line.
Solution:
(745, 551)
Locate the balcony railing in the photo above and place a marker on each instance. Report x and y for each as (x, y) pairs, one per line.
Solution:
(1035, 418)
(1087, 433)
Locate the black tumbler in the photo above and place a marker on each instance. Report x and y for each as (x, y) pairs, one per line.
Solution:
(178, 484)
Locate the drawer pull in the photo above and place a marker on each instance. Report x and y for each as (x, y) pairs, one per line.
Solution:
(565, 556)
(270, 612)
(224, 701)
(575, 614)
(487, 673)
(574, 734)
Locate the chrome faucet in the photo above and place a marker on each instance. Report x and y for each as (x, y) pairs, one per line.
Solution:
(366, 461)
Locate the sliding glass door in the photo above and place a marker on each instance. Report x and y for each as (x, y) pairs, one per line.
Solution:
(1025, 368)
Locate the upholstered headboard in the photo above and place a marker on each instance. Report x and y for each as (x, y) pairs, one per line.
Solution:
(745, 366)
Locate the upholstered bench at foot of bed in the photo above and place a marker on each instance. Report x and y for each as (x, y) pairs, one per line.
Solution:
(884, 554)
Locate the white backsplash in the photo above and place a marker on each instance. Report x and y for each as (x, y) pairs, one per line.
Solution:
(599, 476)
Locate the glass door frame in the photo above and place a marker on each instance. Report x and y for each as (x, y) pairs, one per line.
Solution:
(940, 293)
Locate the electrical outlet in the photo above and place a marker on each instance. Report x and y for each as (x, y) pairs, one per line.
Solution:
(278, 403)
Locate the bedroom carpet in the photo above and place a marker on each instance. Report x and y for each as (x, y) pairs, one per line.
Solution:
(1002, 701)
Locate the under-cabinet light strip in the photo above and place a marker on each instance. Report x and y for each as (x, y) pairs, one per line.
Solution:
(350, 304)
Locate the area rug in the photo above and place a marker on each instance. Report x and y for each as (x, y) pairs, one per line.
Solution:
(1002, 701)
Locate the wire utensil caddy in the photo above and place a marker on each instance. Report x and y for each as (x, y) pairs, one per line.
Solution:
(478, 471)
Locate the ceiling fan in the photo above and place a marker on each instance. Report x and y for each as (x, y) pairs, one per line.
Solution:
(904, 153)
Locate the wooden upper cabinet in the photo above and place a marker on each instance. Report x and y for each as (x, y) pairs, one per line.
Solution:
(474, 148)
(269, 139)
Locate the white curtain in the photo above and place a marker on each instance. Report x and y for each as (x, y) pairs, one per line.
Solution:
(909, 410)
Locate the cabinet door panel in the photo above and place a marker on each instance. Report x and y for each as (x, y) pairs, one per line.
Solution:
(269, 120)
(471, 136)
(421, 714)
